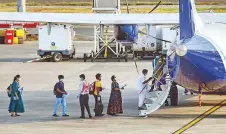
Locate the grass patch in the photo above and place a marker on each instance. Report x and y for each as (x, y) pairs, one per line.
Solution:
(89, 10)
(32, 3)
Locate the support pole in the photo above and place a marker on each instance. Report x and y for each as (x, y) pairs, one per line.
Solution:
(21, 5)
(106, 43)
(95, 40)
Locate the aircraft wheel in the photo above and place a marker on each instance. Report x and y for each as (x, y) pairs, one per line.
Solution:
(174, 95)
(84, 57)
(92, 56)
(57, 57)
(126, 57)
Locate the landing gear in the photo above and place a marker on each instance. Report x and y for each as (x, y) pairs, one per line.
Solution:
(126, 56)
(174, 95)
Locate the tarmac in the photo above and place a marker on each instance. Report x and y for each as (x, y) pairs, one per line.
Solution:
(39, 78)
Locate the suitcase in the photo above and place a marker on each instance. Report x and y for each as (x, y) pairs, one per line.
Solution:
(99, 107)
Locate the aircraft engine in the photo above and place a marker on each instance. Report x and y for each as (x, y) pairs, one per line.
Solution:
(126, 33)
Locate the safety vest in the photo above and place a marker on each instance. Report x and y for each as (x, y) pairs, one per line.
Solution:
(85, 88)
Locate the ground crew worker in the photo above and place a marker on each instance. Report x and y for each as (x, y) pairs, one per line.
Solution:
(142, 88)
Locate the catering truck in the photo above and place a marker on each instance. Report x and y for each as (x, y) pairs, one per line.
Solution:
(56, 42)
(153, 43)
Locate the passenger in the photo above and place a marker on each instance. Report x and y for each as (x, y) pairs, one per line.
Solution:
(83, 95)
(98, 102)
(154, 65)
(158, 72)
(115, 101)
(60, 96)
(16, 103)
(142, 88)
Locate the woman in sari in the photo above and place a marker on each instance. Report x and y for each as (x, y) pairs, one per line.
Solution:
(115, 101)
(16, 103)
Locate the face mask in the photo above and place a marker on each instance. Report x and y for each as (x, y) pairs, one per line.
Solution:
(157, 56)
(81, 79)
(61, 80)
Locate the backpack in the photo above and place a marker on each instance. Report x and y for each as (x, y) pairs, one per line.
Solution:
(92, 88)
(54, 89)
(9, 90)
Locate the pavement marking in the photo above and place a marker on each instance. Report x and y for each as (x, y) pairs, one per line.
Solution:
(201, 117)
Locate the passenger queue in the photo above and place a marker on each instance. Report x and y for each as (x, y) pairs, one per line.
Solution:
(85, 89)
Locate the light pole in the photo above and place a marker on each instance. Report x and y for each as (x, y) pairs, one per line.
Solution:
(21, 5)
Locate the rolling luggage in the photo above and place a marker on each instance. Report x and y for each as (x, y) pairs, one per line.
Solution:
(99, 107)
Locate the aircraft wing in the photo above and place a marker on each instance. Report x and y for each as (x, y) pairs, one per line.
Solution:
(76, 18)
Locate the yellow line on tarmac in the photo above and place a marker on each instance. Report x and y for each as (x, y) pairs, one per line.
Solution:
(201, 117)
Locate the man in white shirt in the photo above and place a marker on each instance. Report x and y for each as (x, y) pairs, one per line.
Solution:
(142, 88)
(83, 95)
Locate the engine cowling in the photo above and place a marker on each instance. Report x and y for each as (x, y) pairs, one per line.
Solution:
(126, 33)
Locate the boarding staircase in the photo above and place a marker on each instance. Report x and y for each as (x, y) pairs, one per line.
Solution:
(155, 99)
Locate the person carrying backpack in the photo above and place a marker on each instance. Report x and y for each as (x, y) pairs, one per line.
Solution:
(60, 96)
(97, 85)
(83, 95)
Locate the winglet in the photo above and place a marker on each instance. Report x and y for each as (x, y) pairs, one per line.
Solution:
(190, 22)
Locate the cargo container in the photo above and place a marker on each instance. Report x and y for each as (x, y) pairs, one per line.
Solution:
(15, 40)
(9, 36)
(20, 33)
(2, 33)
(56, 41)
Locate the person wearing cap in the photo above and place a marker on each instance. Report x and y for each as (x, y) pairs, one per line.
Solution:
(60, 97)
(83, 95)
(115, 101)
(142, 88)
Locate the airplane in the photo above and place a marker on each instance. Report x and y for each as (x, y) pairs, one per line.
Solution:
(198, 61)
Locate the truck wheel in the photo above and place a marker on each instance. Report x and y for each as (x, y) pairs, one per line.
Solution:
(174, 95)
(71, 56)
(57, 57)
(84, 57)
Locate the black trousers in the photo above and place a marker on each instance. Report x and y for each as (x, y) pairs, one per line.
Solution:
(84, 103)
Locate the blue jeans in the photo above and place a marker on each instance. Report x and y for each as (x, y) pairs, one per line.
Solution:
(61, 101)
